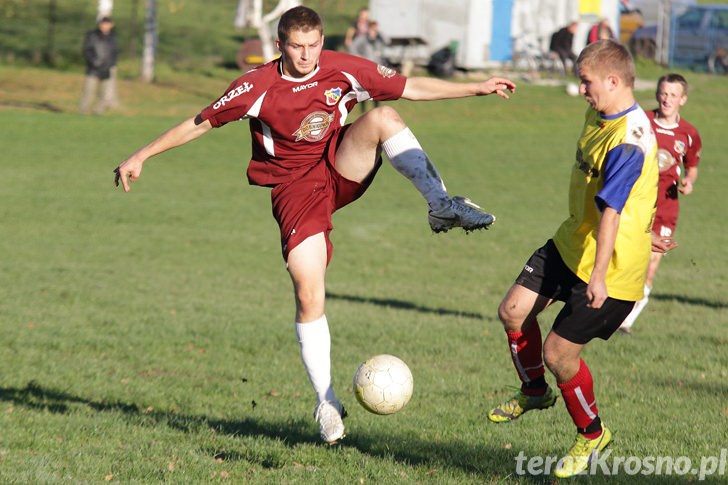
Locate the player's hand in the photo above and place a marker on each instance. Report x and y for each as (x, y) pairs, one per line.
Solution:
(499, 85)
(662, 244)
(127, 172)
(686, 186)
(596, 293)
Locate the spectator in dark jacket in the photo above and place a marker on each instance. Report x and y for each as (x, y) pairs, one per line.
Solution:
(561, 44)
(100, 52)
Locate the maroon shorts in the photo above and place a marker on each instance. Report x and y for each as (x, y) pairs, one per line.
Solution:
(668, 207)
(303, 206)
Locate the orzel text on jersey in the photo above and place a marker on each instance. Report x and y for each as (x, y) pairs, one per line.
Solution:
(232, 94)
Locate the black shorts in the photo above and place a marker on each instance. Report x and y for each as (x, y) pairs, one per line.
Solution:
(547, 274)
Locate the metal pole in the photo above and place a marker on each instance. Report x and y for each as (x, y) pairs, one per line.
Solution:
(150, 41)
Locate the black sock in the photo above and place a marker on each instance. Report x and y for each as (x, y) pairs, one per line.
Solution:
(536, 384)
(593, 427)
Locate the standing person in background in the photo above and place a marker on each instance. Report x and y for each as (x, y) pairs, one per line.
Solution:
(562, 44)
(315, 163)
(100, 51)
(357, 32)
(595, 262)
(600, 31)
(678, 144)
(369, 46)
(373, 48)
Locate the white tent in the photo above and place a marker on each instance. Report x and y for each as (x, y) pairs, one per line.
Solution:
(419, 28)
(534, 21)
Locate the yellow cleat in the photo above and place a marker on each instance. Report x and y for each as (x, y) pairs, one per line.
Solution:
(519, 404)
(580, 455)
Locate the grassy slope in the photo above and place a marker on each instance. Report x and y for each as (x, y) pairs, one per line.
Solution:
(193, 35)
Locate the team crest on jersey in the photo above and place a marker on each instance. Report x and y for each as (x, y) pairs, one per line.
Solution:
(665, 160)
(314, 126)
(385, 72)
(638, 132)
(332, 96)
(679, 147)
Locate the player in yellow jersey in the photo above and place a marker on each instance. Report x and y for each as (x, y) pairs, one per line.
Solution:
(596, 261)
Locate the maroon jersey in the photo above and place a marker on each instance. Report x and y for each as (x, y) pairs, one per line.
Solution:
(678, 144)
(292, 120)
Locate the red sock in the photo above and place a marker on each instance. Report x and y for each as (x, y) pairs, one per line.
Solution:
(579, 398)
(527, 355)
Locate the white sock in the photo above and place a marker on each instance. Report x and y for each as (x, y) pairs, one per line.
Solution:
(315, 342)
(408, 158)
(638, 307)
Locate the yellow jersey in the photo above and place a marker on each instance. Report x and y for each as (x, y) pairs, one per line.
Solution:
(616, 166)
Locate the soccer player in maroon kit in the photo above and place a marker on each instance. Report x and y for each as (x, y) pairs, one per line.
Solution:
(678, 144)
(315, 163)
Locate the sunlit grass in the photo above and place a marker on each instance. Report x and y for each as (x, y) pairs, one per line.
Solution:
(148, 337)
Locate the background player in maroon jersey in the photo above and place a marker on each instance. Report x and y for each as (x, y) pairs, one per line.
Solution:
(315, 163)
(679, 144)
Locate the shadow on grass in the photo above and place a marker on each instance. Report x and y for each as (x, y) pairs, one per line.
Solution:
(471, 458)
(483, 462)
(39, 106)
(35, 396)
(688, 300)
(403, 305)
(697, 386)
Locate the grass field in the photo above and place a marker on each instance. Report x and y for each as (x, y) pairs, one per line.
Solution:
(148, 337)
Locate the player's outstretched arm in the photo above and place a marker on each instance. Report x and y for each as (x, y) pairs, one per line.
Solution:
(430, 89)
(131, 168)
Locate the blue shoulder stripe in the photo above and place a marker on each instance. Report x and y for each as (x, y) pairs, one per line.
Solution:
(622, 168)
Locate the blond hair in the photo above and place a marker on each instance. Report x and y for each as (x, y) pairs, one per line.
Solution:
(606, 57)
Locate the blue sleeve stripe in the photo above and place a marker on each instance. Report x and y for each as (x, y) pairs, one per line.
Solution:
(622, 168)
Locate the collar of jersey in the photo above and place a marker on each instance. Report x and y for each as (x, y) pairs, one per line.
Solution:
(665, 125)
(618, 115)
(297, 79)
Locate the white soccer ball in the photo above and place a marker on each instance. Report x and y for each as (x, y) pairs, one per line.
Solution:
(572, 89)
(383, 384)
